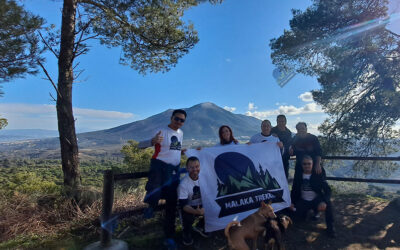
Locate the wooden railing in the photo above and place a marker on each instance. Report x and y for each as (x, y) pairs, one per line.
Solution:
(110, 178)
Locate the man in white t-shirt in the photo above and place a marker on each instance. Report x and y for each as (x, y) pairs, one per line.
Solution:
(189, 196)
(311, 191)
(163, 176)
(265, 135)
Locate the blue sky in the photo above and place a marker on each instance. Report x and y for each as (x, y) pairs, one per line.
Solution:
(230, 67)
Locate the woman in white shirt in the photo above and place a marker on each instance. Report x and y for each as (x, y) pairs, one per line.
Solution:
(226, 136)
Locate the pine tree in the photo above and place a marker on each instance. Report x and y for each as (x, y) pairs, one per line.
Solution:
(356, 59)
(19, 44)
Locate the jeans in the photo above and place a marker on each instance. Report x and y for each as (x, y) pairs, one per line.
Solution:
(162, 182)
(302, 207)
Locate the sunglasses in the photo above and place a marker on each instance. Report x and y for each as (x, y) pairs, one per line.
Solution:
(307, 164)
(179, 119)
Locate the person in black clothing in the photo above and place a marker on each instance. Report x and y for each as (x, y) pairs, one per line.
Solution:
(305, 144)
(285, 136)
(311, 191)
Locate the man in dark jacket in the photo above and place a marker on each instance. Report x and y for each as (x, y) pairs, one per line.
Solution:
(311, 191)
(285, 136)
(305, 144)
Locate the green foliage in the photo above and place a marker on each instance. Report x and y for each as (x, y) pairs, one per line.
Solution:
(3, 123)
(30, 183)
(19, 49)
(152, 34)
(359, 72)
(22, 175)
(136, 159)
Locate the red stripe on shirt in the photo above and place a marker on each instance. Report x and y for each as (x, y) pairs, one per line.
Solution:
(157, 149)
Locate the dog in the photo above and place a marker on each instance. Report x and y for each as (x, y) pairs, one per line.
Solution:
(274, 231)
(248, 228)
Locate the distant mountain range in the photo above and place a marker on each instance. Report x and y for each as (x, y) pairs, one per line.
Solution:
(202, 124)
(25, 134)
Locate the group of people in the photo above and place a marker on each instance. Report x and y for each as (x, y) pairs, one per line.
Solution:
(310, 190)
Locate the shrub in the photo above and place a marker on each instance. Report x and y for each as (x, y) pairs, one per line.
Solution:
(30, 183)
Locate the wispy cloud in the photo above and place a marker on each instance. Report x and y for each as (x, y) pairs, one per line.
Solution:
(230, 109)
(306, 97)
(22, 116)
(251, 106)
(102, 113)
(309, 108)
(228, 60)
(44, 109)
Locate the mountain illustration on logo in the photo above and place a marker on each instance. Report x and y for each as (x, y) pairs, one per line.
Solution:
(236, 173)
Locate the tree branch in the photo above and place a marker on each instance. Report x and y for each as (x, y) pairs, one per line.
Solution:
(47, 45)
(391, 32)
(77, 76)
(49, 78)
(106, 9)
(52, 97)
(81, 39)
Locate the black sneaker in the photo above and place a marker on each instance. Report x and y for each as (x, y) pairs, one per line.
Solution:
(187, 239)
(201, 231)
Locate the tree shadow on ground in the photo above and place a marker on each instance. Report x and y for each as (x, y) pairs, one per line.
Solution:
(361, 223)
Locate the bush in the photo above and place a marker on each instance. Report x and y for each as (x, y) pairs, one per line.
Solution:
(136, 159)
(30, 183)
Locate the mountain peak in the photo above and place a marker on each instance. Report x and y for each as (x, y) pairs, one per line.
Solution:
(204, 120)
(205, 105)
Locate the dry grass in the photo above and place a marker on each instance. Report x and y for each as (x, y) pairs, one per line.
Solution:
(51, 215)
(129, 200)
(21, 215)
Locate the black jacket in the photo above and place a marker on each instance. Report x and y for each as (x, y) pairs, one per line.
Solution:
(318, 185)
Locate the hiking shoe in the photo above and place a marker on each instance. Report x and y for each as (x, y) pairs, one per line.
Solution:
(201, 231)
(148, 213)
(187, 239)
(170, 244)
(331, 233)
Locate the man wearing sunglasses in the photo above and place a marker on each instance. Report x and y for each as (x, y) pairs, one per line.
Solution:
(163, 178)
(310, 191)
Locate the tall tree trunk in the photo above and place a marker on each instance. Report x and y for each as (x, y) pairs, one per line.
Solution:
(66, 122)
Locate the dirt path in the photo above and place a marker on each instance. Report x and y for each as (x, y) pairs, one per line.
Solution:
(361, 223)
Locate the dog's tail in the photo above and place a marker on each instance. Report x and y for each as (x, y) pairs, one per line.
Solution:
(228, 237)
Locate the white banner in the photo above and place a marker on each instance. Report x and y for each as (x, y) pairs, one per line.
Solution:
(234, 179)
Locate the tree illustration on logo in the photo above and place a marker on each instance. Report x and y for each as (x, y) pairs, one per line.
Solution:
(236, 173)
